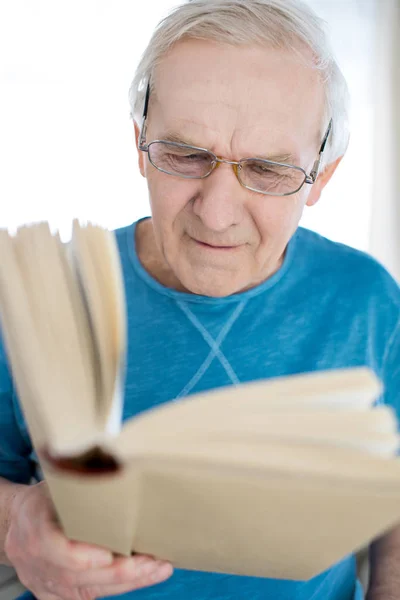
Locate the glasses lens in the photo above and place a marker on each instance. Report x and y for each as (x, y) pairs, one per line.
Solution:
(180, 159)
(270, 178)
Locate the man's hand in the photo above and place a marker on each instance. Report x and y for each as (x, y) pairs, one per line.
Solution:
(54, 568)
(384, 580)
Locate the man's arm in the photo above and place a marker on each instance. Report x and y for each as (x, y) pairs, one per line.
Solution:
(384, 579)
(8, 491)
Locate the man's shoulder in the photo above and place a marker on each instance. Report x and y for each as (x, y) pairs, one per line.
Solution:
(348, 266)
(127, 238)
(324, 249)
(123, 233)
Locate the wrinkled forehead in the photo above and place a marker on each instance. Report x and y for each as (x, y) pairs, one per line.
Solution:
(238, 94)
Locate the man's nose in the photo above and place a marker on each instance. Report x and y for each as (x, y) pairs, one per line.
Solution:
(220, 203)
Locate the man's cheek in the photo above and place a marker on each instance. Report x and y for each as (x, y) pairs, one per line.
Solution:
(287, 215)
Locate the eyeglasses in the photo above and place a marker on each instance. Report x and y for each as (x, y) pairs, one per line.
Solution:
(256, 174)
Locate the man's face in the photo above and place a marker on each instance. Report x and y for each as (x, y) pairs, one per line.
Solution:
(214, 236)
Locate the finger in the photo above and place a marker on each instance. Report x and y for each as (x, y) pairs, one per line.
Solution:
(126, 570)
(104, 591)
(57, 550)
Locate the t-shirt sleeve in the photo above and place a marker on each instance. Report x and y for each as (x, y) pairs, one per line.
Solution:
(391, 372)
(16, 463)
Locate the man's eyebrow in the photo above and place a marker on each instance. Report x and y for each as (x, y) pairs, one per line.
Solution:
(284, 157)
(171, 136)
(280, 158)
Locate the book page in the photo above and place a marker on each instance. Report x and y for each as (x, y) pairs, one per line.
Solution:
(295, 460)
(56, 363)
(373, 431)
(95, 259)
(343, 390)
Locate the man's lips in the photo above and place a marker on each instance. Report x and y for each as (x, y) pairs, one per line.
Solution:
(216, 247)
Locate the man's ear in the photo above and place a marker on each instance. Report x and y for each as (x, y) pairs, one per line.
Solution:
(141, 154)
(321, 181)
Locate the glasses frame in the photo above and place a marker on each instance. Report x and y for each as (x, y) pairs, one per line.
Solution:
(236, 165)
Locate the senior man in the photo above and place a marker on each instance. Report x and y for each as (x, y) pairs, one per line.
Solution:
(240, 119)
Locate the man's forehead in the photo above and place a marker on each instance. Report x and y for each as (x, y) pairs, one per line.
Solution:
(192, 64)
(244, 93)
(244, 96)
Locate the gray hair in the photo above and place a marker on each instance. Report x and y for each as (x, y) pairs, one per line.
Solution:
(286, 24)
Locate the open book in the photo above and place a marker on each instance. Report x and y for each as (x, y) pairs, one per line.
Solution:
(278, 478)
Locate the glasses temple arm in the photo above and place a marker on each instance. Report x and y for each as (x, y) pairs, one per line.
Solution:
(325, 138)
(142, 137)
(315, 170)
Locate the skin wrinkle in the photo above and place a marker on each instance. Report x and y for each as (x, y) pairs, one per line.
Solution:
(285, 157)
(182, 139)
(238, 129)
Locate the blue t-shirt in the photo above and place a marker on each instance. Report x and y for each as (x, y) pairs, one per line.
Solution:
(328, 306)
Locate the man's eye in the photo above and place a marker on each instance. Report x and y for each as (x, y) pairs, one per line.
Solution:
(263, 169)
(179, 156)
(268, 170)
(194, 157)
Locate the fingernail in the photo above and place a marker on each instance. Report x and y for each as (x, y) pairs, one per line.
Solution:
(164, 571)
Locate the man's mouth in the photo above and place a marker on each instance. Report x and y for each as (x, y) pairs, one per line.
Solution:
(216, 247)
